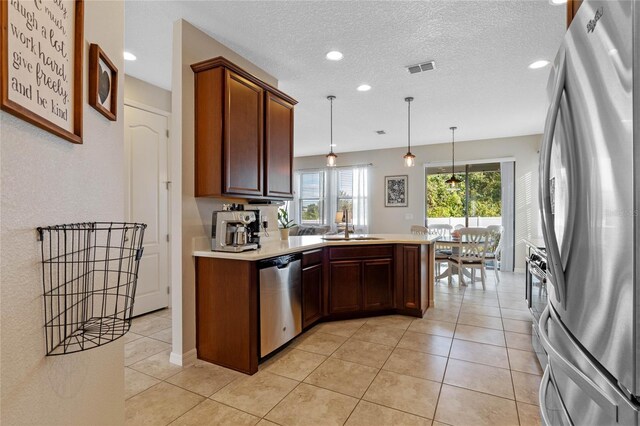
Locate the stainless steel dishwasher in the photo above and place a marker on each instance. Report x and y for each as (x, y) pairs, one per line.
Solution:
(280, 301)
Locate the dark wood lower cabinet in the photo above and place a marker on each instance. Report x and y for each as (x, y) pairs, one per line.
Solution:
(377, 284)
(337, 282)
(227, 313)
(311, 295)
(344, 286)
(413, 266)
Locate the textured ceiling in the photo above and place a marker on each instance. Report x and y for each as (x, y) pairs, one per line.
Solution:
(481, 82)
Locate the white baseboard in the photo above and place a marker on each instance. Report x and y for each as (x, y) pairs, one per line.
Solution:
(185, 359)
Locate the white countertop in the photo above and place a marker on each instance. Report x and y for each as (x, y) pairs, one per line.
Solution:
(310, 242)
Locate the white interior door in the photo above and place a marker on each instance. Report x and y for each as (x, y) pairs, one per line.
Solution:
(146, 147)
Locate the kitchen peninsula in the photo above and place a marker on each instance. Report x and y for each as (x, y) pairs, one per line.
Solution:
(341, 279)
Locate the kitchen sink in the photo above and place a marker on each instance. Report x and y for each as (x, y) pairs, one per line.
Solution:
(354, 238)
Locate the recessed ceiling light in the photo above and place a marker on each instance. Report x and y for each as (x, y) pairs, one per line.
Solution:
(364, 88)
(557, 2)
(128, 56)
(334, 55)
(333, 145)
(538, 64)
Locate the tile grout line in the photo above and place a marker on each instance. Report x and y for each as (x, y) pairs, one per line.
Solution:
(205, 398)
(459, 306)
(165, 380)
(302, 381)
(444, 373)
(378, 373)
(513, 386)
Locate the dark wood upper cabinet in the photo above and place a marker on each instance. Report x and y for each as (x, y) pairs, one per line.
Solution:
(243, 134)
(243, 140)
(278, 146)
(572, 9)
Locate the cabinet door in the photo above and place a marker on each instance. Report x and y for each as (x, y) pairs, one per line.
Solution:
(377, 284)
(278, 147)
(243, 138)
(344, 286)
(311, 295)
(412, 277)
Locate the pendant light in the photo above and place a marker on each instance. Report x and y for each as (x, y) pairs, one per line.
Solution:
(453, 182)
(409, 158)
(331, 157)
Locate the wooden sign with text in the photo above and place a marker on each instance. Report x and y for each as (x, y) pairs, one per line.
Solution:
(42, 44)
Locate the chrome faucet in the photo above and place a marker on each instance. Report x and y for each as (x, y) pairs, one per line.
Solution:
(345, 214)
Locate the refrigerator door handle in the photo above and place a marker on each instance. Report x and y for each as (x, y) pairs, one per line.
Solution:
(542, 396)
(585, 383)
(548, 228)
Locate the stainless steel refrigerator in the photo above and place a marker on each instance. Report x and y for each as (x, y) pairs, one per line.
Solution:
(590, 199)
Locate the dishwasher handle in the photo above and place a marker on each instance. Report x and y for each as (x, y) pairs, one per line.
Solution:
(280, 262)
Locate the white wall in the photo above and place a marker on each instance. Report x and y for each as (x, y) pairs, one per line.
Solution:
(387, 162)
(191, 217)
(146, 93)
(46, 181)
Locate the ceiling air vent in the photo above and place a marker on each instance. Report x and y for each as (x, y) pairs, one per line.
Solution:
(425, 66)
(381, 132)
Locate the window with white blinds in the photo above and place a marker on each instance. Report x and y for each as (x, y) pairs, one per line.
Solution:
(311, 198)
(320, 194)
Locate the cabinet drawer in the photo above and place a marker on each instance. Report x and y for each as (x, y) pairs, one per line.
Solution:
(360, 252)
(311, 258)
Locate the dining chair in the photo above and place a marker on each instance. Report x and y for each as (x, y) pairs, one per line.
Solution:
(458, 226)
(471, 255)
(443, 252)
(419, 230)
(494, 249)
(442, 230)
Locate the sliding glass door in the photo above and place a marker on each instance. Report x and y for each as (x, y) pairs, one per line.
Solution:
(477, 201)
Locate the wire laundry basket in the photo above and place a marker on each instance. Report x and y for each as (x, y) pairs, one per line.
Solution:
(89, 276)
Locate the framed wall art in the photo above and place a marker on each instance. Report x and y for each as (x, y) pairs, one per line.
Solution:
(103, 83)
(395, 191)
(41, 58)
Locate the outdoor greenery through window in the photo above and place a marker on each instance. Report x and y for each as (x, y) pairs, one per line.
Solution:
(476, 202)
(311, 197)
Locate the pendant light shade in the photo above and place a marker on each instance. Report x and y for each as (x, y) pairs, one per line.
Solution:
(331, 157)
(453, 182)
(409, 158)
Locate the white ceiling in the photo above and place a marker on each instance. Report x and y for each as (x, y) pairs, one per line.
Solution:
(481, 82)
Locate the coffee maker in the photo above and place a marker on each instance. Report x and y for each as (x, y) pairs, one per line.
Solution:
(235, 231)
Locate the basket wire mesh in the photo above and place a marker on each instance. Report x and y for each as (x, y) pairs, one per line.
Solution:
(89, 277)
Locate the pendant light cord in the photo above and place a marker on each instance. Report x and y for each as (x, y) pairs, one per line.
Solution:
(331, 120)
(409, 127)
(408, 101)
(453, 150)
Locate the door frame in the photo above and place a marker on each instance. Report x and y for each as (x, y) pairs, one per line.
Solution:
(170, 253)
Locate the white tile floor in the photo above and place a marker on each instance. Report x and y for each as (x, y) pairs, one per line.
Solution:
(469, 361)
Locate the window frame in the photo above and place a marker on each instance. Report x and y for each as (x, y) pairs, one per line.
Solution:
(320, 200)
